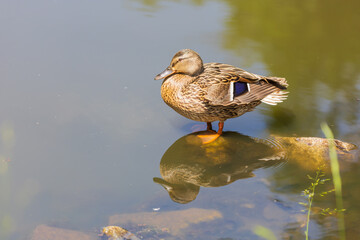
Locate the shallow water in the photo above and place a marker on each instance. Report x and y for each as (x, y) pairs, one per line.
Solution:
(84, 129)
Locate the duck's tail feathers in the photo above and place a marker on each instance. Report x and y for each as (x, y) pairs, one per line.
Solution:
(275, 97)
(278, 82)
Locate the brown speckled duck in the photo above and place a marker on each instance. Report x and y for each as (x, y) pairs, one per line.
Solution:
(214, 91)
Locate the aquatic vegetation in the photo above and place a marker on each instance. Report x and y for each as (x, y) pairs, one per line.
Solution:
(309, 193)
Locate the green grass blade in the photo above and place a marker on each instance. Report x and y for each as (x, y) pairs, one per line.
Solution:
(335, 170)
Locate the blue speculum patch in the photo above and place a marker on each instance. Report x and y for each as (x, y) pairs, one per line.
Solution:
(240, 88)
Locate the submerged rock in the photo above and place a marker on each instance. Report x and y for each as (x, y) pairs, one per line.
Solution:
(167, 223)
(312, 152)
(44, 232)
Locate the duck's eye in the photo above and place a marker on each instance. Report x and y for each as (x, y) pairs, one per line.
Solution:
(177, 61)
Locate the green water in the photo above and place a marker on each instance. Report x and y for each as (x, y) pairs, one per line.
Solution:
(84, 130)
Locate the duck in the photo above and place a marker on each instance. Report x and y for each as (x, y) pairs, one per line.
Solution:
(209, 92)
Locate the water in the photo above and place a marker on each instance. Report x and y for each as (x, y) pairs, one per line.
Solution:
(84, 129)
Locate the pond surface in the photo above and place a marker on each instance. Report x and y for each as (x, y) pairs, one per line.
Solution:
(85, 134)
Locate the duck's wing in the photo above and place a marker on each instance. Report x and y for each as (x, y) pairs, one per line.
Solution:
(225, 85)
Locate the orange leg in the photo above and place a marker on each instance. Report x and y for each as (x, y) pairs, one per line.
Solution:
(221, 126)
(210, 135)
(209, 126)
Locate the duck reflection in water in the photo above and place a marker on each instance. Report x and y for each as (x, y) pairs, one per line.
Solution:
(189, 164)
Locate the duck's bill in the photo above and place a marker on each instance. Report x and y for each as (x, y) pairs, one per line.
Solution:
(167, 72)
(163, 183)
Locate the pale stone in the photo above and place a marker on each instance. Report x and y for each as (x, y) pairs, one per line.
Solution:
(43, 232)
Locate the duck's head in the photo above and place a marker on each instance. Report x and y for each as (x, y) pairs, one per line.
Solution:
(186, 62)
